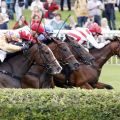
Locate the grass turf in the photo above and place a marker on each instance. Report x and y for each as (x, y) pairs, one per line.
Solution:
(111, 75)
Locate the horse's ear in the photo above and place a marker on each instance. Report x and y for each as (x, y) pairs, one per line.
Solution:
(66, 36)
(116, 38)
(38, 42)
(69, 38)
(55, 40)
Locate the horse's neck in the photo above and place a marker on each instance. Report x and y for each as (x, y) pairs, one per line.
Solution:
(36, 69)
(17, 65)
(102, 55)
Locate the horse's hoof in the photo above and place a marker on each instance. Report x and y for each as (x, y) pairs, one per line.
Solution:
(109, 87)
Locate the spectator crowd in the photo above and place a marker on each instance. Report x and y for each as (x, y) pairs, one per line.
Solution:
(86, 11)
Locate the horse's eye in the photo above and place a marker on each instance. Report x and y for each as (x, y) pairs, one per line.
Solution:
(64, 49)
(46, 52)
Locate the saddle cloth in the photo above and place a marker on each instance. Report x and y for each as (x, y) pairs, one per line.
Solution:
(2, 55)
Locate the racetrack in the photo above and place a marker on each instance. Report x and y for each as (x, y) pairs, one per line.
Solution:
(111, 75)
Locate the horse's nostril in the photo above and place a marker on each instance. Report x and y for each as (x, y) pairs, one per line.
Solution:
(76, 65)
(59, 69)
(50, 70)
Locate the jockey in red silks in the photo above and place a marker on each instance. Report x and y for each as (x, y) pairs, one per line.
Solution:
(32, 35)
(88, 35)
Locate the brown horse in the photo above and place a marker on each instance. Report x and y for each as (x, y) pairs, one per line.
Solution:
(103, 55)
(90, 73)
(84, 58)
(14, 68)
(66, 58)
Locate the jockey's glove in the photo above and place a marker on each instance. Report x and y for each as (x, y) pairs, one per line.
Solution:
(41, 37)
(25, 47)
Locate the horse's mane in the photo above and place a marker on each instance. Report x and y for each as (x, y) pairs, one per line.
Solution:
(51, 40)
(11, 55)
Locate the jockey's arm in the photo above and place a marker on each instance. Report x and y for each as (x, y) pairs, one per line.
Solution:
(92, 40)
(11, 48)
(6, 46)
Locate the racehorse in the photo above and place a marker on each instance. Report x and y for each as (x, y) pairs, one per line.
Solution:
(13, 69)
(90, 73)
(84, 58)
(103, 55)
(64, 56)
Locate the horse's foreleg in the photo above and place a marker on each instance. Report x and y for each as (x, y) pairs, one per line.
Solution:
(86, 86)
(100, 85)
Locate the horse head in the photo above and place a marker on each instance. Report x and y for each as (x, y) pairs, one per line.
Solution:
(79, 51)
(115, 46)
(64, 54)
(46, 59)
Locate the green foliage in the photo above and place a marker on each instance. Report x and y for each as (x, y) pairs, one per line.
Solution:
(59, 104)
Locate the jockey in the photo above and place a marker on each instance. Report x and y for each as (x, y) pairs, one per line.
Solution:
(47, 30)
(11, 40)
(88, 35)
(7, 47)
(32, 34)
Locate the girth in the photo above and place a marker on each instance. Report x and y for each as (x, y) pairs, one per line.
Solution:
(10, 74)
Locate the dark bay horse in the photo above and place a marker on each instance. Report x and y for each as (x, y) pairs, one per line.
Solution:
(64, 56)
(90, 73)
(85, 60)
(12, 70)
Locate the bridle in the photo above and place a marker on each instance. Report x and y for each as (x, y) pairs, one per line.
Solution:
(45, 63)
(116, 49)
(67, 58)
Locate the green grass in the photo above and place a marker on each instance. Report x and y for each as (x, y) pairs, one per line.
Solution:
(111, 75)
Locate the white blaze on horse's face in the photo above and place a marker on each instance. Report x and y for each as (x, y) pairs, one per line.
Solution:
(54, 64)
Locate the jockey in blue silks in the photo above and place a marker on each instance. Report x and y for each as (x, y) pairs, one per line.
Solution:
(48, 30)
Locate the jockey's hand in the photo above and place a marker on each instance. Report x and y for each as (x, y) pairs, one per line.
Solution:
(25, 47)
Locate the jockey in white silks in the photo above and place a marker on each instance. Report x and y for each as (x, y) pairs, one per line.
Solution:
(88, 35)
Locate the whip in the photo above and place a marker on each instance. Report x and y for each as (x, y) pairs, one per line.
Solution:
(63, 24)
